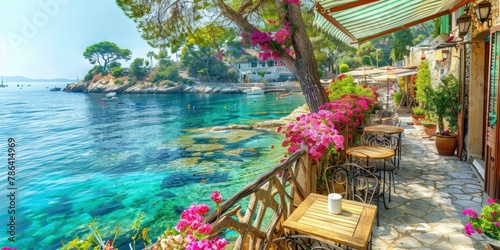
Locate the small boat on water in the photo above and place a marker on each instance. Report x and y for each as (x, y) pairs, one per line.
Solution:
(111, 96)
(2, 85)
(255, 91)
(284, 95)
(55, 89)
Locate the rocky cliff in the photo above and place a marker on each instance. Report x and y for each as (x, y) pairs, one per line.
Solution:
(110, 84)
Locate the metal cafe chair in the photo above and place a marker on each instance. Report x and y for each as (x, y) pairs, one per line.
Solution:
(354, 182)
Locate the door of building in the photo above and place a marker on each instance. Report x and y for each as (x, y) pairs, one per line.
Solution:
(463, 99)
(492, 168)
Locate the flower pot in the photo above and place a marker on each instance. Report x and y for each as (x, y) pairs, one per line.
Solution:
(430, 128)
(417, 119)
(491, 244)
(446, 144)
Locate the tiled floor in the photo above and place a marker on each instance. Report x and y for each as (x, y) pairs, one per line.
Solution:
(431, 192)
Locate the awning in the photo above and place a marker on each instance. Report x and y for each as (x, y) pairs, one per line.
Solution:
(356, 21)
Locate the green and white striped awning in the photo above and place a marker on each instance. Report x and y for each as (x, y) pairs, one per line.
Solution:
(356, 21)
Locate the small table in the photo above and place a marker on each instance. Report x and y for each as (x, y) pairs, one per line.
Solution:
(352, 227)
(389, 130)
(373, 152)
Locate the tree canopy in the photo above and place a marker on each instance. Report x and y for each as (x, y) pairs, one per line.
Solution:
(278, 27)
(105, 52)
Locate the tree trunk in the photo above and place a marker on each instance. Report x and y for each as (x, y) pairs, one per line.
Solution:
(305, 62)
(304, 65)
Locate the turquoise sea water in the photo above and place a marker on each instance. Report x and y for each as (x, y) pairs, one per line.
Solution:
(78, 158)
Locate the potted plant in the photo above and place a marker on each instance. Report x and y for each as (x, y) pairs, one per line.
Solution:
(485, 223)
(430, 127)
(418, 115)
(442, 102)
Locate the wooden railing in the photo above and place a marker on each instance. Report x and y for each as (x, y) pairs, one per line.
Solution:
(272, 198)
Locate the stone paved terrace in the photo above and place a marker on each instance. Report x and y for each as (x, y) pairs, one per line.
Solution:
(431, 192)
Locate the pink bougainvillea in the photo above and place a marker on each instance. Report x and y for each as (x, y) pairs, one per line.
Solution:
(190, 232)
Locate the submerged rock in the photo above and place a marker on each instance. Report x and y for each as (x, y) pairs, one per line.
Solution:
(182, 179)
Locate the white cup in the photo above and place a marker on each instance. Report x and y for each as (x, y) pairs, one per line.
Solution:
(335, 203)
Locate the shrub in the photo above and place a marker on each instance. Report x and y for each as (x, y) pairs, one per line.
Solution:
(117, 71)
(343, 68)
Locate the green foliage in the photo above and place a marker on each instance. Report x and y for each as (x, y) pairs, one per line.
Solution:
(320, 73)
(150, 55)
(365, 49)
(402, 39)
(443, 101)
(397, 97)
(188, 82)
(114, 64)
(418, 110)
(136, 68)
(118, 72)
(343, 67)
(105, 52)
(118, 82)
(423, 81)
(92, 72)
(345, 86)
(163, 72)
(95, 238)
(366, 60)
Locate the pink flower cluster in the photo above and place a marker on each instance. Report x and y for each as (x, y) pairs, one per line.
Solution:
(220, 55)
(488, 222)
(192, 231)
(315, 130)
(325, 131)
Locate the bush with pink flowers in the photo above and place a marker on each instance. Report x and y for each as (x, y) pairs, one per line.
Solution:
(488, 222)
(191, 233)
(328, 130)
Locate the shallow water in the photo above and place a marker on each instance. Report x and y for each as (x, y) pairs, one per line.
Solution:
(78, 157)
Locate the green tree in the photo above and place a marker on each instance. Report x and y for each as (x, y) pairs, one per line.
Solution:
(343, 68)
(114, 64)
(151, 54)
(118, 72)
(170, 22)
(423, 81)
(402, 39)
(136, 68)
(365, 49)
(105, 52)
(378, 55)
(162, 73)
(366, 60)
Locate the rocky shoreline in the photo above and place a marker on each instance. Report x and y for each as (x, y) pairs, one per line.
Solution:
(146, 87)
(123, 85)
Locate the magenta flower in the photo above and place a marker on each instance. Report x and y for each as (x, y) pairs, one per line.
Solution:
(470, 213)
(469, 230)
(216, 197)
(491, 201)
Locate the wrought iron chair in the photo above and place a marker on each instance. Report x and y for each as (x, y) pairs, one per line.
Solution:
(390, 142)
(354, 182)
(304, 242)
(387, 117)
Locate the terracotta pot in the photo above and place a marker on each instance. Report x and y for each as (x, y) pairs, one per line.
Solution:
(417, 119)
(446, 144)
(430, 129)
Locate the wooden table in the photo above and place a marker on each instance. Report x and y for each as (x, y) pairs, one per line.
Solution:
(351, 228)
(386, 129)
(389, 130)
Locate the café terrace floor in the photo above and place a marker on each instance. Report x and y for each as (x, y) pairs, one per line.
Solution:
(431, 192)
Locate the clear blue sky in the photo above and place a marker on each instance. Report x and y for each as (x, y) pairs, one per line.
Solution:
(47, 38)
